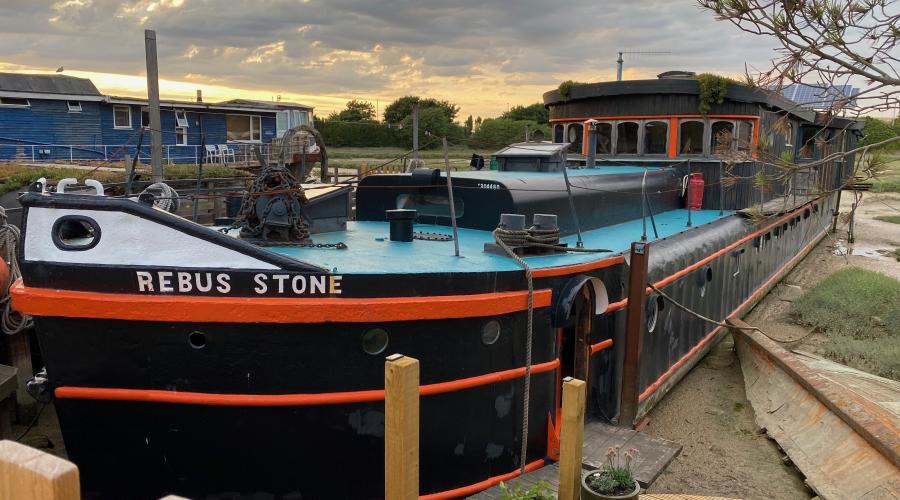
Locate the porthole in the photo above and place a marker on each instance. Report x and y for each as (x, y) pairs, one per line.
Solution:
(490, 332)
(652, 312)
(375, 341)
(197, 340)
(75, 232)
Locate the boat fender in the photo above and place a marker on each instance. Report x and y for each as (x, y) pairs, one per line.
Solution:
(565, 298)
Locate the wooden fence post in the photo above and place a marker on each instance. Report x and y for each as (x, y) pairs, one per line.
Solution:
(635, 323)
(401, 428)
(571, 439)
(26, 473)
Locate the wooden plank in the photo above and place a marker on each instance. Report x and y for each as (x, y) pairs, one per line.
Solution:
(401, 427)
(29, 474)
(571, 439)
(19, 351)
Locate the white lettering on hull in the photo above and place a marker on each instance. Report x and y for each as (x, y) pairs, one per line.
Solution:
(300, 285)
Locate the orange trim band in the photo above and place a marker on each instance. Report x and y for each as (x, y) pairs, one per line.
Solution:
(325, 398)
(578, 268)
(483, 485)
(615, 306)
(599, 346)
(672, 369)
(181, 308)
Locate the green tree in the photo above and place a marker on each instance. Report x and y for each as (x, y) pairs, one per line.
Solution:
(497, 132)
(534, 112)
(875, 131)
(433, 123)
(398, 110)
(356, 111)
(469, 126)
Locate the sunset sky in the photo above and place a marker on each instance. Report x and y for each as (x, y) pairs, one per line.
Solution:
(483, 55)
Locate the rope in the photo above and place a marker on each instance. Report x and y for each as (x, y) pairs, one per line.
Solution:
(12, 321)
(165, 197)
(526, 403)
(541, 238)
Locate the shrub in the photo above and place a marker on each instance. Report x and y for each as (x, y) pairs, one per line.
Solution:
(712, 90)
(360, 134)
(497, 132)
(875, 131)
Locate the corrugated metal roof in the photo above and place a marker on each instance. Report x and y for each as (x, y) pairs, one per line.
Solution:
(47, 84)
(265, 104)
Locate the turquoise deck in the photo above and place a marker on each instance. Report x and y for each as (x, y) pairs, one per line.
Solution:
(495, 175)
(371, 252)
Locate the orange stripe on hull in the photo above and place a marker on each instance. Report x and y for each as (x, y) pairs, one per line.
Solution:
(483, 485)
(325, 398)
(577, 268)
(181, 308)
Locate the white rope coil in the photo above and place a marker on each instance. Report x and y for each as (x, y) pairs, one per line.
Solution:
(166, 197)
(12, 321)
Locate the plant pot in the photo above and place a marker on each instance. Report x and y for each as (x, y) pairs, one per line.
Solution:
(588, 494)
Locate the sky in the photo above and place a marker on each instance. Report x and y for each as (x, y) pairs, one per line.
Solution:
(483, 55)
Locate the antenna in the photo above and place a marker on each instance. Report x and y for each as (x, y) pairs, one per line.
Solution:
(619, 61)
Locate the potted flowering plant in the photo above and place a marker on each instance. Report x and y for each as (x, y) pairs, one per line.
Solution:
(613, 481)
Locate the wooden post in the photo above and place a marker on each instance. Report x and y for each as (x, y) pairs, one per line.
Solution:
(153, 104)
(635, 320)
(571, 439)
(19, 353)
(401, 428)
(34, 475)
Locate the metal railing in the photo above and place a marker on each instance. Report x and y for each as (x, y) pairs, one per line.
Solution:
(240, 153)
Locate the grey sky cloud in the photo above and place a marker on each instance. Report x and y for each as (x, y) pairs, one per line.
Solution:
(353, 47)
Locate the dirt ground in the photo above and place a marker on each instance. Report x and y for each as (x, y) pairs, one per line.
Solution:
(708, 413)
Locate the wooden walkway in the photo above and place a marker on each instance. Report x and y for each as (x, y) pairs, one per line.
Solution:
(654, 456)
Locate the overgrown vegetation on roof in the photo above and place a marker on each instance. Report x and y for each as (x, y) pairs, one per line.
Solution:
(712, 90)
(565, 89)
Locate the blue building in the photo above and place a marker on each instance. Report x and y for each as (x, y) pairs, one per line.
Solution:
(59, 117)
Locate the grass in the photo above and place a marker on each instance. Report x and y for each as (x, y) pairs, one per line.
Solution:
(388, 153)
(14, 177)
(889, 218)
(858, 311)
(888, 180)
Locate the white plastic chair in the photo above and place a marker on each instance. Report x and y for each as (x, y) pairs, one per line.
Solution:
(213, 155)
(226, 153)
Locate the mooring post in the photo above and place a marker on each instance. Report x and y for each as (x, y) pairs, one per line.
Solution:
(401, 428)
(571, 438)
(29, 473)
(634, 333)
(153, 104)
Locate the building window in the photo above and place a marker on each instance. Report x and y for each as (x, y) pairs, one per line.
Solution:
(656, 135)
(181, 136)
(14, 101)
(721, 138)
(558, 130)
(627, 138)
(121, 116)
(575, 135)
(744, 136)
(690, 140)
(145, 118)
(74, 106)
(808, 136)
(181, 119)
(604, 138)
(243, 128)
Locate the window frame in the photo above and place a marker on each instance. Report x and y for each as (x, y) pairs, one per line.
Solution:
(708, 134)
(704, 141)
(612, 137)
(183, 132)
(74, 109)
(255, 133)
(642, 133)
(147, 112)
(639, 141)
(181, 121)
(15, 105)
(580, 143)
(128, 108)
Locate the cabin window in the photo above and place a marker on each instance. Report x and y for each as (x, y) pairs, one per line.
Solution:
(14, 101)
(430, 205)
(690, 141)
(721, 138)
(627, 138)
(145, 118)
(575, 137)
(808, 136)
(745, 136)
(558, 131)
(656, 135)
(490, 332)
(604, 138)
(74, 106)
(181, 118)
(121, 116)
(243, 128)
(181, 136)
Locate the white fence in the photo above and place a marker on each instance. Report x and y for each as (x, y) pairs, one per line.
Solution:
(240, 153)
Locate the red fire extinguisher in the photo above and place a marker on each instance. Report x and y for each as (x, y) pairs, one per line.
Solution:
(693, 185)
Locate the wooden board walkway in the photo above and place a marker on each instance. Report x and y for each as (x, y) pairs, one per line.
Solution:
(655, 454)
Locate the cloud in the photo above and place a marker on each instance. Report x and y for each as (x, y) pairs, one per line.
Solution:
(480, 53)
